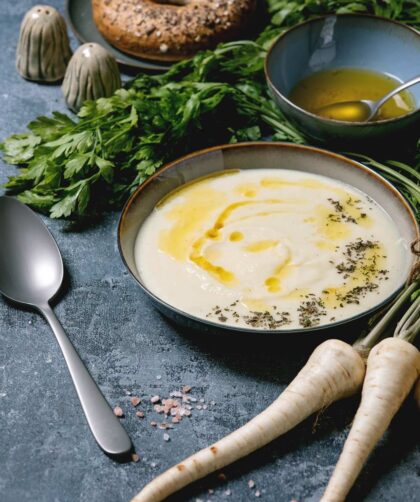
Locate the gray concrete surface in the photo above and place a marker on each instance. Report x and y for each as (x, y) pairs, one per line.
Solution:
(47, 453)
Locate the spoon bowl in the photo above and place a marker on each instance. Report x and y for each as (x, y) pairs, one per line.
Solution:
(31, 268)
(348, 111)
(363, 110)
(31, 273)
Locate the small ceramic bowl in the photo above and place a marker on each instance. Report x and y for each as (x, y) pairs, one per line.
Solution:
(339, 41)
(248, 156)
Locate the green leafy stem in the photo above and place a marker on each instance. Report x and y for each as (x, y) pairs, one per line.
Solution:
(83, 166)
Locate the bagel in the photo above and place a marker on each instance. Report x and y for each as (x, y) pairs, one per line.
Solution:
(170, 30)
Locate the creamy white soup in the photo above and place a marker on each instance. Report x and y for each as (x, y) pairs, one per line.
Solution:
(270, 249)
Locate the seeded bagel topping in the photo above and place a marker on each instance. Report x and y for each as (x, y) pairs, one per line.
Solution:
(170, 30)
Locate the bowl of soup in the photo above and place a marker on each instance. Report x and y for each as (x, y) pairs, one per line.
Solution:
(267, 238)
(344, 58)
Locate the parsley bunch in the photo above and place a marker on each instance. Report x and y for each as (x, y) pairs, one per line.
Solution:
(83, 166)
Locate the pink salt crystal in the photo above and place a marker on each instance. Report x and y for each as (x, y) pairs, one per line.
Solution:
(251, 483)
(118, 412)
(135, 457)
(186, 389)
(140, 414)
(155, 399)
(258, 493)
(135, 401)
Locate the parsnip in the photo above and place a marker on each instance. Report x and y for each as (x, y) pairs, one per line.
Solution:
(393, 366)
(334, 371)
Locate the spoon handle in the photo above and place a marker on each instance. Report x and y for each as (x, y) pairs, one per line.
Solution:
(397, 90)
(105, 426)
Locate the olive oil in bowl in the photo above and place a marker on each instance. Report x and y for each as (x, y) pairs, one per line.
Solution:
(338, 85)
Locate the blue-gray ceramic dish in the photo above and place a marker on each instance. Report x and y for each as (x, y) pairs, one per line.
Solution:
(248, 156)
(340, 41)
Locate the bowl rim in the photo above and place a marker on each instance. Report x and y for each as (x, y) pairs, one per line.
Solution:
(260, 144)
(313, 115)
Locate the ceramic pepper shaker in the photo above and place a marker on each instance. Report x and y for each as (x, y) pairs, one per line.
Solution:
(91, 74)
(43, 49)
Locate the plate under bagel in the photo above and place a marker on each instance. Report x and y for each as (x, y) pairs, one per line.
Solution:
(264, 155)
(79, 15)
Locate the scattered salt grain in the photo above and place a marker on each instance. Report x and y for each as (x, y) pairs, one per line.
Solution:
(118, 412)
(201, 400)
(163, 426)
(186, 389)
(153, 424)
(135, 457)
(135, 401)
(166, 437)
(227, 493)
(258, 493)
(251, 483)
(158, 377)
(155, 399)
(139, 414)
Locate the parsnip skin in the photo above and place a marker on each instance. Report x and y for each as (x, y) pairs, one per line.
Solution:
(334, 370)
(393, 366)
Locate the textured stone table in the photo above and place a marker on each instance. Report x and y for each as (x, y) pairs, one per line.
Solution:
(47, 452)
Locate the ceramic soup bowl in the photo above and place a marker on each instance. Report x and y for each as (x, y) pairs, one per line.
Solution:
(250, 156)
(346, 41)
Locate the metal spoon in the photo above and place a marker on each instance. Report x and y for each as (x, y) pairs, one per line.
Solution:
(31, 273)
(364, 110)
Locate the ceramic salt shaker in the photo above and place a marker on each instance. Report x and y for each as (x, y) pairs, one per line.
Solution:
(91, 74)
(43, 49)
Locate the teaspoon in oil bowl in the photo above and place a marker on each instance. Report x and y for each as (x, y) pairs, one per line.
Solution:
(364, 110)
(31, 273)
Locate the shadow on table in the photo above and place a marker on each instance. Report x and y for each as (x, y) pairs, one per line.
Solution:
(275, 358)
